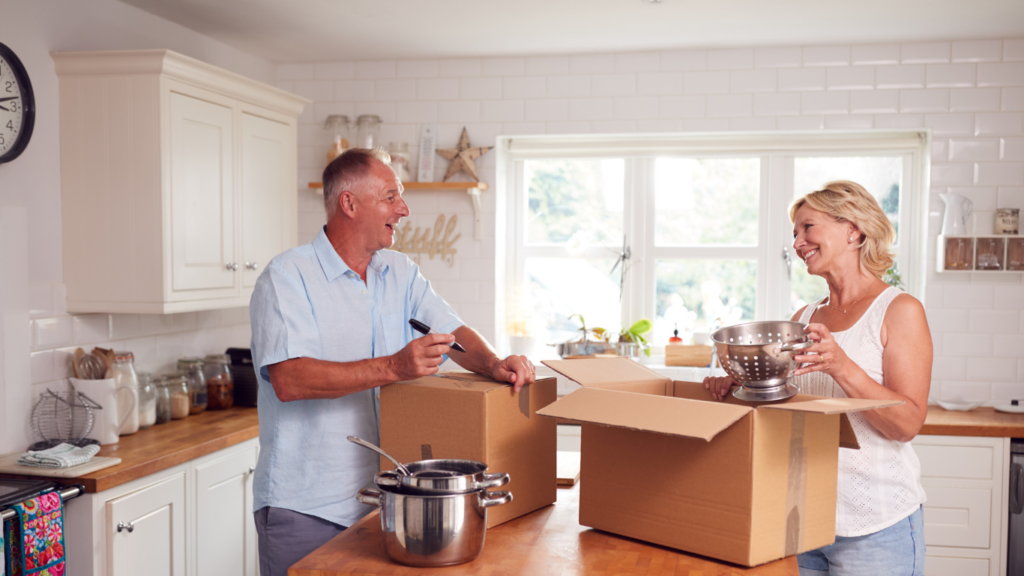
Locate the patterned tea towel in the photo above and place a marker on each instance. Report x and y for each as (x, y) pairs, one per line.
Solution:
(41, 539)
(60, 456)
(12, 551)
(3, 550)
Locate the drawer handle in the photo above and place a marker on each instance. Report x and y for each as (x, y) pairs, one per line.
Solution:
(252, 469)
(232, 266)
(251, 265)
(122, 526)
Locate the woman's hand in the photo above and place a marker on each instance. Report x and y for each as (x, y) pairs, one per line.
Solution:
(719, 386)
(824, 356)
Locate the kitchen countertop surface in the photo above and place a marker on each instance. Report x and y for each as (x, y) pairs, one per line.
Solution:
(548, 541)
(978, 422)
(165, 445)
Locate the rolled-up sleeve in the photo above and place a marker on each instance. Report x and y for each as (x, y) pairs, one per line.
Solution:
(283, 326)
(427, 305)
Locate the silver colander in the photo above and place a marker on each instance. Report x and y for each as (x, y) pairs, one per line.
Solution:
(759, 354)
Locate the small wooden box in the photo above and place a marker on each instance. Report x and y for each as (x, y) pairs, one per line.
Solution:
(680, 355)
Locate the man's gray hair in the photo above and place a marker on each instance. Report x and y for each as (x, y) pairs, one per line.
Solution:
(346, 171)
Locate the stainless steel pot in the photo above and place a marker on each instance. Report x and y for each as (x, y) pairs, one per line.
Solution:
(442, 476)
(433, 530)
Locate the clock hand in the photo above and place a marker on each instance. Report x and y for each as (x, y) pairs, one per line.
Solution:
(9, 98)
(4, 109)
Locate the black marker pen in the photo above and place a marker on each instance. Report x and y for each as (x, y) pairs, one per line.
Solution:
(421, 327)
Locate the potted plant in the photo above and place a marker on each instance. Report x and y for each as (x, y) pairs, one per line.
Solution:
(632, 341)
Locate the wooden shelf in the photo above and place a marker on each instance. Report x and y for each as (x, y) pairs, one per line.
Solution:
(471, 188)
(429, 185)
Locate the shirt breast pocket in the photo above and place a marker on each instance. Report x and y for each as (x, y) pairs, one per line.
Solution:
(394, 331)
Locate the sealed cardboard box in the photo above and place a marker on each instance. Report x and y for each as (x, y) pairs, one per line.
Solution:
(470, 417)
(664, 463)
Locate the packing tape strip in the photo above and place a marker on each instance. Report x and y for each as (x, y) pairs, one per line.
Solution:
(796, 485)
(524, 400)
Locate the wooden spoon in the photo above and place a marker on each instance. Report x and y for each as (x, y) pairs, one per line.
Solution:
(79, 353)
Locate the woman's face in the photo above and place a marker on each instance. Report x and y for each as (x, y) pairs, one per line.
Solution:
(821, 241)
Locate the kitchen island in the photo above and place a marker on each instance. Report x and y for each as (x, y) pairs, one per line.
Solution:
(548, 541)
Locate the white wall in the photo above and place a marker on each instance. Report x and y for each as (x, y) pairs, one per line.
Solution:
(970, 94)
(32, 30)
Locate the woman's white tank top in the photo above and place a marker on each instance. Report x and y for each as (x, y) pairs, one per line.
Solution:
(880, 484)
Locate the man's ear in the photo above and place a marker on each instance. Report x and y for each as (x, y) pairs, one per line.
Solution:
(347, 203)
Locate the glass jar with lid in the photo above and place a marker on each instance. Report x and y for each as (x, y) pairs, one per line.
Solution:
(147, 400)
(367, 130)
(220, 388)
(192, 368)
(163, 400)
(338, 126)
(123, 372)
(180, 394)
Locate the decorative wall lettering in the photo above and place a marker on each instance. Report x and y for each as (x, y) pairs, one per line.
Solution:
(418, 241)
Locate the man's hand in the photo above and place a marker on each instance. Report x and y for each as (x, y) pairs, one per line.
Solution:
(421, 357)
(517, 370)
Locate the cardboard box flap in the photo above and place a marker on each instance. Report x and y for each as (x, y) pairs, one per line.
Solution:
(600, 372)
(834, 405)
(673, 416)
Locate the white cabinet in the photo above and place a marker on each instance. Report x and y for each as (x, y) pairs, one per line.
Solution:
(194, 519)
(966, 515)
(225, 533)
(146, 530)
(178, 181)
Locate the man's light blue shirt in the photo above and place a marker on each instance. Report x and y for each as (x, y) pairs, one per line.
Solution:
(309, 303)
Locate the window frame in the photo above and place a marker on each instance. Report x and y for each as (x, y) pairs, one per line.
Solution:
(776, 150)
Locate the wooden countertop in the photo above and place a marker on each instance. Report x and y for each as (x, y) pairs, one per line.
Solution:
(548, 541)
(165, 445)
(978, 422)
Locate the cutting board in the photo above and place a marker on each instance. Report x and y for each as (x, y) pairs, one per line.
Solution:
(9, 465)
(568, 469)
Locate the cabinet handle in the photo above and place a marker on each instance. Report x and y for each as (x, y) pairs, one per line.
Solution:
(232, 266)
(122, 526)
(251, 265)
(252, 469)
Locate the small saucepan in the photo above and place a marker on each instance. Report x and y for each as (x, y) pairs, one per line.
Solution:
(442, 477)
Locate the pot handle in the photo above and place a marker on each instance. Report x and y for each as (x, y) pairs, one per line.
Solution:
(493, 480)
(369, 496)
(387, 478)
(497, 498)
(795, 346)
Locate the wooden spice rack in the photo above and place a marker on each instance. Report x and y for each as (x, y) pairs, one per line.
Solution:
(472, 188)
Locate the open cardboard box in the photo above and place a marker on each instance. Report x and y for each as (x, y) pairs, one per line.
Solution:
(466, 416)
(665, 463)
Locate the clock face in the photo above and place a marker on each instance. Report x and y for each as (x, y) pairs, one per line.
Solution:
(17, 106)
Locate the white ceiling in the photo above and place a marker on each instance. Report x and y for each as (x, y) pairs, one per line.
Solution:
(296, 31)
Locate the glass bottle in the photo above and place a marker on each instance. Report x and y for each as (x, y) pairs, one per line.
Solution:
(147, 400)
(400, 160)
(220, 387)
(181, 395)
(192, 368)
(163, 400)
(123, 372)
(367, 130)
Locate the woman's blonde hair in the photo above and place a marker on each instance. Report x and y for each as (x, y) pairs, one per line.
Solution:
(849, 202)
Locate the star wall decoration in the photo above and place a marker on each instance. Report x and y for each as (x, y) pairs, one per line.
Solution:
(463, 157)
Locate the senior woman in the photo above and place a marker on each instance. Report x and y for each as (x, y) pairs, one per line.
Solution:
(871, 341)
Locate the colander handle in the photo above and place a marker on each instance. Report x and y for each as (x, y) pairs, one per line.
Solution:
(795, 346)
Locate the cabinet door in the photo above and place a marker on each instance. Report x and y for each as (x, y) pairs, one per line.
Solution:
(225, 529)
(202, 196)
(152, 536)
(264, 192)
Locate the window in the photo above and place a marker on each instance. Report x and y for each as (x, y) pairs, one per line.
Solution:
(690, 232)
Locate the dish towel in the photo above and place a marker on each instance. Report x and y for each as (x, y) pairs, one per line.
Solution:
(60, 456)
(3, 549)
(39, 537)
(12, 552)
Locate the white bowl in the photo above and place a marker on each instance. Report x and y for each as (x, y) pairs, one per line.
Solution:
(959, 406)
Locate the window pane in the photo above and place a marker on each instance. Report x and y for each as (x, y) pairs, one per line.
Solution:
(880, 175)
(709, 201)
(693, 294)
(806, 289)
(557, 288)
(580, 200)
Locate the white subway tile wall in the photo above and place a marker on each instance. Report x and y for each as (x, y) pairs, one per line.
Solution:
(969, 93)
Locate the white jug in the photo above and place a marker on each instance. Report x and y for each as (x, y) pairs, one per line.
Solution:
(958, 210)
(106, 425)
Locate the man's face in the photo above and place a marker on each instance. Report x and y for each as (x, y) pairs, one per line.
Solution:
(380, 207)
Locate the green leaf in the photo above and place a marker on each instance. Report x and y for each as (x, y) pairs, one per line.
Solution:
(642, 326)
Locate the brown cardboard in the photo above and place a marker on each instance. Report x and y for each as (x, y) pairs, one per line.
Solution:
(742, 482)
(470, 417)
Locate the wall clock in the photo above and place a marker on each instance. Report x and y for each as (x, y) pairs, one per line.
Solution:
(17, 106)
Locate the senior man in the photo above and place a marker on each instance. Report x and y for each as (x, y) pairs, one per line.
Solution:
(330, 324)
